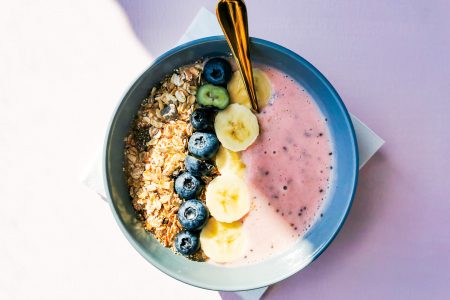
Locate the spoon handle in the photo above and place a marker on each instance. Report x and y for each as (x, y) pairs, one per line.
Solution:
(232, 16)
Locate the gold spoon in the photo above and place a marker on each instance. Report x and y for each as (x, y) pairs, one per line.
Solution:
(232, 16)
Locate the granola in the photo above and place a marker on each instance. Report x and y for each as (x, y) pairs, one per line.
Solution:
(155, 150)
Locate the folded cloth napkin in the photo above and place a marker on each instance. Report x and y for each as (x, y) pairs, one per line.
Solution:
(203, 25)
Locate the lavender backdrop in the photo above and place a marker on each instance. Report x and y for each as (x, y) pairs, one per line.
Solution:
(390, 62)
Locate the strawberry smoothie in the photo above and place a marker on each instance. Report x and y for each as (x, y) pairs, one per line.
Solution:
(288, 169)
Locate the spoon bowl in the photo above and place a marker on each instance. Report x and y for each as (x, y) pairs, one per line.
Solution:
(232, 17)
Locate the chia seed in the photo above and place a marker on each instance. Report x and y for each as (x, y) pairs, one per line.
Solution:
(142, 137)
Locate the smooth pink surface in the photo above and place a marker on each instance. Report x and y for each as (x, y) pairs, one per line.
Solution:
(287, 169)
(390, 62)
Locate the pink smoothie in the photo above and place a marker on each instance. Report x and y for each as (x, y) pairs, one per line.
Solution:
(288, 169)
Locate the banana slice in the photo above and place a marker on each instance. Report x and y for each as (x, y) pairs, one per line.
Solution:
(223, 242)
(229, 162)
(238, 93)
(236, 127)
(227, 198)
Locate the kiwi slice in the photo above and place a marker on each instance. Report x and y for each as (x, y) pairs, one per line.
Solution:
(211, 95)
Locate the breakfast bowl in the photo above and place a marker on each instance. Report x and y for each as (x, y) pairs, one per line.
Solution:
(283, 264)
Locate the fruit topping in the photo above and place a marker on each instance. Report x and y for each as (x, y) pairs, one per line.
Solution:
(203, 145)
(236, 127)
(187, 243)
(193, 215)
(227, 198)
(223, 242)
(229, 162)
(202, 119)
(217, 71)
(211, 95)
(187, 186)
(198, 167)
(238, 92)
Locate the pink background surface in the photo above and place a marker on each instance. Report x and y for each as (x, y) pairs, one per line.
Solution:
(389, 60)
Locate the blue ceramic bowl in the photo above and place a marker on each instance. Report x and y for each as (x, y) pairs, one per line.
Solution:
(278, 267)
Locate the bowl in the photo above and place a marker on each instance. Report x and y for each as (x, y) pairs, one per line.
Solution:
(278, 267)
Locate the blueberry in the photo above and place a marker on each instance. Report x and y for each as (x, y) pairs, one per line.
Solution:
(202, 119)
(187, 186)
(187, 243)
(203, 145)
(193, 215)
(217, 71)
(198, 167)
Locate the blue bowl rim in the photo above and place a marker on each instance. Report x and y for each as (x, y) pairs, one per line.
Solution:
(254, 40)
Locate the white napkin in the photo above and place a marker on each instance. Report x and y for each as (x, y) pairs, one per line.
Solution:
(203, 25)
